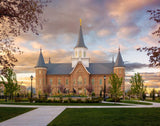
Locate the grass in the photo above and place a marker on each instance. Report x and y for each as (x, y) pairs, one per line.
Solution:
(108, 117)
(9, 112)
(157, 100)
(64, 104)
(136, 102)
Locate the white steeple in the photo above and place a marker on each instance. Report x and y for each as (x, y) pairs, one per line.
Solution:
(80, 50)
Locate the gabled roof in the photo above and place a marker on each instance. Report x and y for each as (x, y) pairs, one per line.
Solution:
(83, 67)
(66, 68)
(119, 61)
(80, 42)
(40, 62)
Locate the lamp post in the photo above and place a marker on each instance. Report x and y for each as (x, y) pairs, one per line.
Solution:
(31, 85)
(104, 93)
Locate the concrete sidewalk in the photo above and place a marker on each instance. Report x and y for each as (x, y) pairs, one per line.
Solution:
(38, 117)
(43, 115)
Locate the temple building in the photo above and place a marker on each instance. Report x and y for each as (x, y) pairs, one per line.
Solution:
(77, 75)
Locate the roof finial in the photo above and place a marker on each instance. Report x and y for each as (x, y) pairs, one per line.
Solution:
(119, 48)
(80, 22)
(40, 49)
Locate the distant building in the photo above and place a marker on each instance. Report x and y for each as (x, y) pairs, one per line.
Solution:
(33, 90)
(79, 74)
(23, 90)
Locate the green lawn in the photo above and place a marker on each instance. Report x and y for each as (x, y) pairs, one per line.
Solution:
(9, 112)
(136, 102)
(108, 117)
(157, 100)
(66, 104)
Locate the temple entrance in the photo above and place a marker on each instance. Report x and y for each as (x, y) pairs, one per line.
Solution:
(80, 91)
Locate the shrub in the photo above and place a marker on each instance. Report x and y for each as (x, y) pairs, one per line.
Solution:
(69, 100)
(17, 99)
(100, 99)
(56, 101)
(40, 100)
(61, 99)
(95, 100)
(93, 94)
(87, 100)
(110, 100)
(49, 101)
(79, 101)
(73, 101)
(115, 99)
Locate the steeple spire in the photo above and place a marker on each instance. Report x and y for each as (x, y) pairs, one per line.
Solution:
(119, 61)
(113, 59)
(80, 22)
(49, 62)
(80, 42)
(40, 62)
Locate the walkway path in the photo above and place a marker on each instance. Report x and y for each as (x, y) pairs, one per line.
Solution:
(43, 115)
(38, 117)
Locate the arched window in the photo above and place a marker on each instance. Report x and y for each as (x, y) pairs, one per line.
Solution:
(51, 81)
(80, 53)
(40, 82)
(92, 81)
(100, 81)
(76, 54)
(74, 81)
(85, 81)
(84, 54)
(79, 80)
(119, 71)
(59, 81)
(67, 81)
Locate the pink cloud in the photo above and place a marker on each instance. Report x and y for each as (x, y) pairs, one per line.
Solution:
(121, 9)
(150, 40)
(37, 45)
(103, 32)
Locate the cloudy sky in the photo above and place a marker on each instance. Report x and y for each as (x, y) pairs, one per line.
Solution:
(107, 24)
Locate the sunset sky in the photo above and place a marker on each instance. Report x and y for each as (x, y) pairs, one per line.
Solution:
(106, 26)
